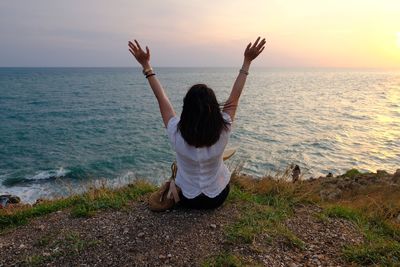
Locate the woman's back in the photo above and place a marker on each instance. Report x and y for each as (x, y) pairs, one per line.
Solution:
(200, 169)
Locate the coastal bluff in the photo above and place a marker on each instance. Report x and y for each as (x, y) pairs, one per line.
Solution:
(351, 219)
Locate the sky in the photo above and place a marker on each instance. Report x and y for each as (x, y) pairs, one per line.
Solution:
(299, 33)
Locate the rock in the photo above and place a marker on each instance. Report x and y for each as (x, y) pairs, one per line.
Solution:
(8, 199)
(398, 218)
(38, 201)
(46, 254)
(296, 173)
(141, 234)
(330, 194)
(382, 173)
(161, 257)
(213, 226)
(22, 246)
(353, 185)
(169, 255)
(125, 231)
(396, 177)
(40, 227)
(15, 199)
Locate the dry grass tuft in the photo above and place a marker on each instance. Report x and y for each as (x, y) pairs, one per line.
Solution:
(375, 201)
(279, 185)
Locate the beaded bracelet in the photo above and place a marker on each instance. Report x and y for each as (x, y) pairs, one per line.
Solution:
(147, 71)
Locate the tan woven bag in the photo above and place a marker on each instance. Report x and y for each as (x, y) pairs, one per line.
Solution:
(168, 195)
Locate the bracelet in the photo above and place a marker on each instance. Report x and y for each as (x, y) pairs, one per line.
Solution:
(147, 71)
(244, 71)
(149, 75)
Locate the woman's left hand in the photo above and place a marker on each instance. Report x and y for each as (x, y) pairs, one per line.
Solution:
(142, 57)
(252, 51)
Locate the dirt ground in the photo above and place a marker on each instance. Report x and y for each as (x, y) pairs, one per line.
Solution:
(136, 236)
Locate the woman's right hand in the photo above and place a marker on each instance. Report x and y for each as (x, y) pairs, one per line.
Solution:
(142, 57)
(252, 51)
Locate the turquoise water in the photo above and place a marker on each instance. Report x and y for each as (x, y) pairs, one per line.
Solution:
(60, 127)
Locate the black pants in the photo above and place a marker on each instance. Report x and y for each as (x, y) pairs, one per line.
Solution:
(204, 202)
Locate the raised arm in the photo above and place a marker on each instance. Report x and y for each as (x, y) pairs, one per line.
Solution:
(251, 52)
(143, 58)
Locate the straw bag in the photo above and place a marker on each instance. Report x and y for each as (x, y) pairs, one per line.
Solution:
(167, 196)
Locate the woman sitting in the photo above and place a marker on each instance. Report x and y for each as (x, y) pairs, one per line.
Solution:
(199, 136)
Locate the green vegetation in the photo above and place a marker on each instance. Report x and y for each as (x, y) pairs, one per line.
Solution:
(262, 214)
(44, 241)
(224, 259)
(81, 205)
(263, 206)
(382, 239)
(373, 209)
(35, 260)
(267, 202)
(104, 198)
(352, 173)
(20, 216)
(59, 244)
(75, 243)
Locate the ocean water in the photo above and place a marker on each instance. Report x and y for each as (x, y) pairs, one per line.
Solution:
(61, 128)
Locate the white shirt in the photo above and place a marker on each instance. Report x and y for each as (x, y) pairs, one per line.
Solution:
(200, 170)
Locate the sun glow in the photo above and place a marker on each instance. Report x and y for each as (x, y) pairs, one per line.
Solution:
(398, 39)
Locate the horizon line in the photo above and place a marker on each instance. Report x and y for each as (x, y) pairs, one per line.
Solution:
(265, 67)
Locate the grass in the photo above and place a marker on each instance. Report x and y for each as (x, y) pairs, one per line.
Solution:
(265, 204)
(375, 200)
(224, 259)
(268, 202)
(59, 244)
(44, 241)
(382, 253)
(35, 260)
(21, 215)
(252, 222)
(382, 239)
(105, 198)
(373, 209)
(75, 243)
(262, 216)
(352, 173)
(81, 205)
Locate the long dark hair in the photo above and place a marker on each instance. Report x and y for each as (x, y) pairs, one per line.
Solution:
(201, 120)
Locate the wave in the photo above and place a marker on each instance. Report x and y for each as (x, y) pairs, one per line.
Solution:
(46, 175)
(43, 175)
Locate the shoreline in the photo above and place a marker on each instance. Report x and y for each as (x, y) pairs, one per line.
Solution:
(286, 175)
(65, 187)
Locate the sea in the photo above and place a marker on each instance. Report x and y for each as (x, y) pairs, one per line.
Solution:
(64, 129)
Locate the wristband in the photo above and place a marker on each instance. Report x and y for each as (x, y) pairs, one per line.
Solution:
(149, 75)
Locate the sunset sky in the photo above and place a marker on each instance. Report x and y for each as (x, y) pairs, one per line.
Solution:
(300, 33)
